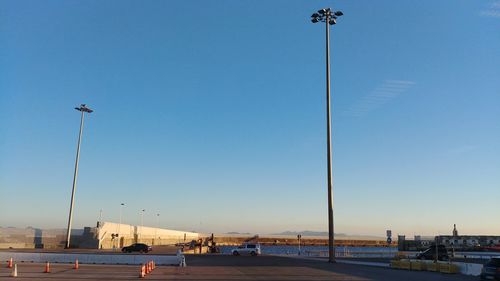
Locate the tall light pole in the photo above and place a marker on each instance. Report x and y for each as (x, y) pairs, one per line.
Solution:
(329, 17)
(157, 225)
(142, 222)
(83, 108)
(120, 224)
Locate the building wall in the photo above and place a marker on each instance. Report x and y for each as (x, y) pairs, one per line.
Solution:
(30, 237)
(114, 235)
(469, 240)
(92, 237)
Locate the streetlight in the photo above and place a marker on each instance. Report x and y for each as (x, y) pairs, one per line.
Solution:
(120, 224)
(83, 108)
(157, 224)
(329, 17)
(142, 222)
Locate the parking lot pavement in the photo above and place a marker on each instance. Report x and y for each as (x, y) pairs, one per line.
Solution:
(227, 268)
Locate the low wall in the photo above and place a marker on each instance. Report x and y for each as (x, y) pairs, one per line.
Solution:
(90, 258)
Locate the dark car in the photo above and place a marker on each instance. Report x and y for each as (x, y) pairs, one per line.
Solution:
(491, 270)
(137, 247)
(430, 253)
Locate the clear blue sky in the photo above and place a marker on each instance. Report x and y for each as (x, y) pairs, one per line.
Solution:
(212, 113)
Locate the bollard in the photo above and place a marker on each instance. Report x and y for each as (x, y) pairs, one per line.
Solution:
(9, 263)
(183, 261)
(142, 274)
(47, 268)
(76, 264)
(14, 271)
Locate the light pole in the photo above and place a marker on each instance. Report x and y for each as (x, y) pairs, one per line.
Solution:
(83, 108)
(120, 224)
(329, 17)
(157, 225)
(142, 222)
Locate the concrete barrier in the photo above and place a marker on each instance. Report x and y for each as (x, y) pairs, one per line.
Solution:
(469, 268)
(90, 258)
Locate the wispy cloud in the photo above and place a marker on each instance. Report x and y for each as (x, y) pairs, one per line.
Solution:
(381, 95)
(493, 10)
(463, 149)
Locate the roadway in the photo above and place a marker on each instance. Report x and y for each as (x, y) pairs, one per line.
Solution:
(225, 267)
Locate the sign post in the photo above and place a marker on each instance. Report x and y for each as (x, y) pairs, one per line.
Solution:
(298, 238)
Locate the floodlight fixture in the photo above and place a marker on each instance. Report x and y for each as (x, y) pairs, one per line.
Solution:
(84, 108)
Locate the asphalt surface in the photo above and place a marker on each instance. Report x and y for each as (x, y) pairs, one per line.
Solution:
(388, 260)
(204, 267)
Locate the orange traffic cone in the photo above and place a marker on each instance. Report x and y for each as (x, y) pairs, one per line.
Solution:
(47, 268)
(142, 274)
(9, 263)
(76, 264)
(14, 271)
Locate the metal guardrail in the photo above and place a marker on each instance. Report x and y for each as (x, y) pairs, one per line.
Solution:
(90, 258)
(477, 255)
(346, 253)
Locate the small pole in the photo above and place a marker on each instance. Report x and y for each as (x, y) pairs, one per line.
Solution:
(298, 238)
(436, 259)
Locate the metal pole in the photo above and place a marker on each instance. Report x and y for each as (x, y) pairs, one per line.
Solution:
(120, 226)
(331, 239)
(142, 223)
(157, 225)
(70, 219)
(437, 253)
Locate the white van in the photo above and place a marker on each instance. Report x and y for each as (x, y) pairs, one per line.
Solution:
(247, 249)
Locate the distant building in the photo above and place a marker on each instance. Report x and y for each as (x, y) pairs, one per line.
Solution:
(468, 241)
(454, 241)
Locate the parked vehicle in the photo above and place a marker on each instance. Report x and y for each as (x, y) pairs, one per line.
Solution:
(430, 253)
(137, 247)
(247, 249)
(491, 270)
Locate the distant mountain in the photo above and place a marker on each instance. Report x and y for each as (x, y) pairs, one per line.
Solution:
(325, 233)
(307, 233)
(236, 233)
